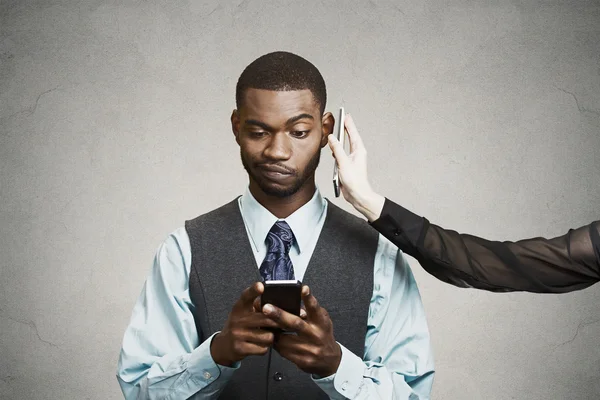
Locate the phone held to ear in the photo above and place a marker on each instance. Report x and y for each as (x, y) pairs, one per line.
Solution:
(286, 295)
(340, 135)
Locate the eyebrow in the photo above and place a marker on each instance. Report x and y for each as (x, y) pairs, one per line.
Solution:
(288, 122)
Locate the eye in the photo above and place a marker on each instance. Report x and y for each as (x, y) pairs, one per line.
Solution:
(258, 133)
(299, 134)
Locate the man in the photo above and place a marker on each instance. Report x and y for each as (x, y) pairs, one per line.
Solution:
(562, 264)
(364, 334)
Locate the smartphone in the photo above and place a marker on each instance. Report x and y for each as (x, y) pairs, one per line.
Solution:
(286, 295)
(340, 135)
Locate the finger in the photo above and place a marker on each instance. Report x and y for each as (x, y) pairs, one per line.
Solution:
(311, 304)
(305, 290)
(251, 293)
(294, 348)
(356, 142)
(286, 320)
(252, 349)
(257, 321)
(258, 336)
(303, 314)
(338, 152)
(288, 342)
(256, 304)
(295, 345)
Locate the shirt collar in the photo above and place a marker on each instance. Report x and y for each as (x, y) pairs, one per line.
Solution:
(303, 221)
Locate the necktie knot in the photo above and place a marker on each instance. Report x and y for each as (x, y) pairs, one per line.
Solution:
(277, 264)
(280, 238)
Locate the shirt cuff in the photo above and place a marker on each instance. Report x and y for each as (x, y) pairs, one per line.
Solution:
(346, 382)
(402, 227)
(203, 369)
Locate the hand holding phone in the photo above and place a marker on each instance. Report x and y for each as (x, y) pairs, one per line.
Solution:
(313, 347)
(240, 336)
(286, 295)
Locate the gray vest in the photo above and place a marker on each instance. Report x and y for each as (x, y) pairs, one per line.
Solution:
(340, 275)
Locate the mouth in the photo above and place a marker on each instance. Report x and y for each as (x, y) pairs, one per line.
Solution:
(274, 172)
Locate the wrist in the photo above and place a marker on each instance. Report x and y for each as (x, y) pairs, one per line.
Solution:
(218, 351)
(333, 365)
(370, 205)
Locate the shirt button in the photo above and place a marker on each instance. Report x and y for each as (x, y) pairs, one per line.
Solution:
(278, 376)
(345, 385)
(207, 375)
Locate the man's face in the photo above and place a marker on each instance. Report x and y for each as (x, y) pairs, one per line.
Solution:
(280, 134)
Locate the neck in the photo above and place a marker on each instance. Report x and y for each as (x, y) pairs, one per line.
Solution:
(283, 207)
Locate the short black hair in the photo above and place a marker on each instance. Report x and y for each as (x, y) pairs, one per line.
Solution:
(282, 71)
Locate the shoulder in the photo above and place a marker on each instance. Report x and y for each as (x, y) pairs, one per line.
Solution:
(171, 265)
(349, 220)
(213, 215)
(395, 259)
(175, 249)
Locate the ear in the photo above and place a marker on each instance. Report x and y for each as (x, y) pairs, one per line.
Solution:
(235, 125)
(327, 123)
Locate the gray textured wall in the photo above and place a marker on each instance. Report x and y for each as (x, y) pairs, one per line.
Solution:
(114, 128)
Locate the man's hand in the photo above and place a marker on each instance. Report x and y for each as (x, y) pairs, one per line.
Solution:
(314, 349)
(257, 308)
(242, 335)
(353, 173)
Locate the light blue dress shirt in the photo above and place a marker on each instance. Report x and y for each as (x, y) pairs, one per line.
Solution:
(162, 358)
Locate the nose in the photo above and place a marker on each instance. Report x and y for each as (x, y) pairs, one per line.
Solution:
(278, 148)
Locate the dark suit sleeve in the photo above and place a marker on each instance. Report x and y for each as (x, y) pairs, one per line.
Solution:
(558, 265)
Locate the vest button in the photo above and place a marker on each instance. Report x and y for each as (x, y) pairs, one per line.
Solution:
(278, 376)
